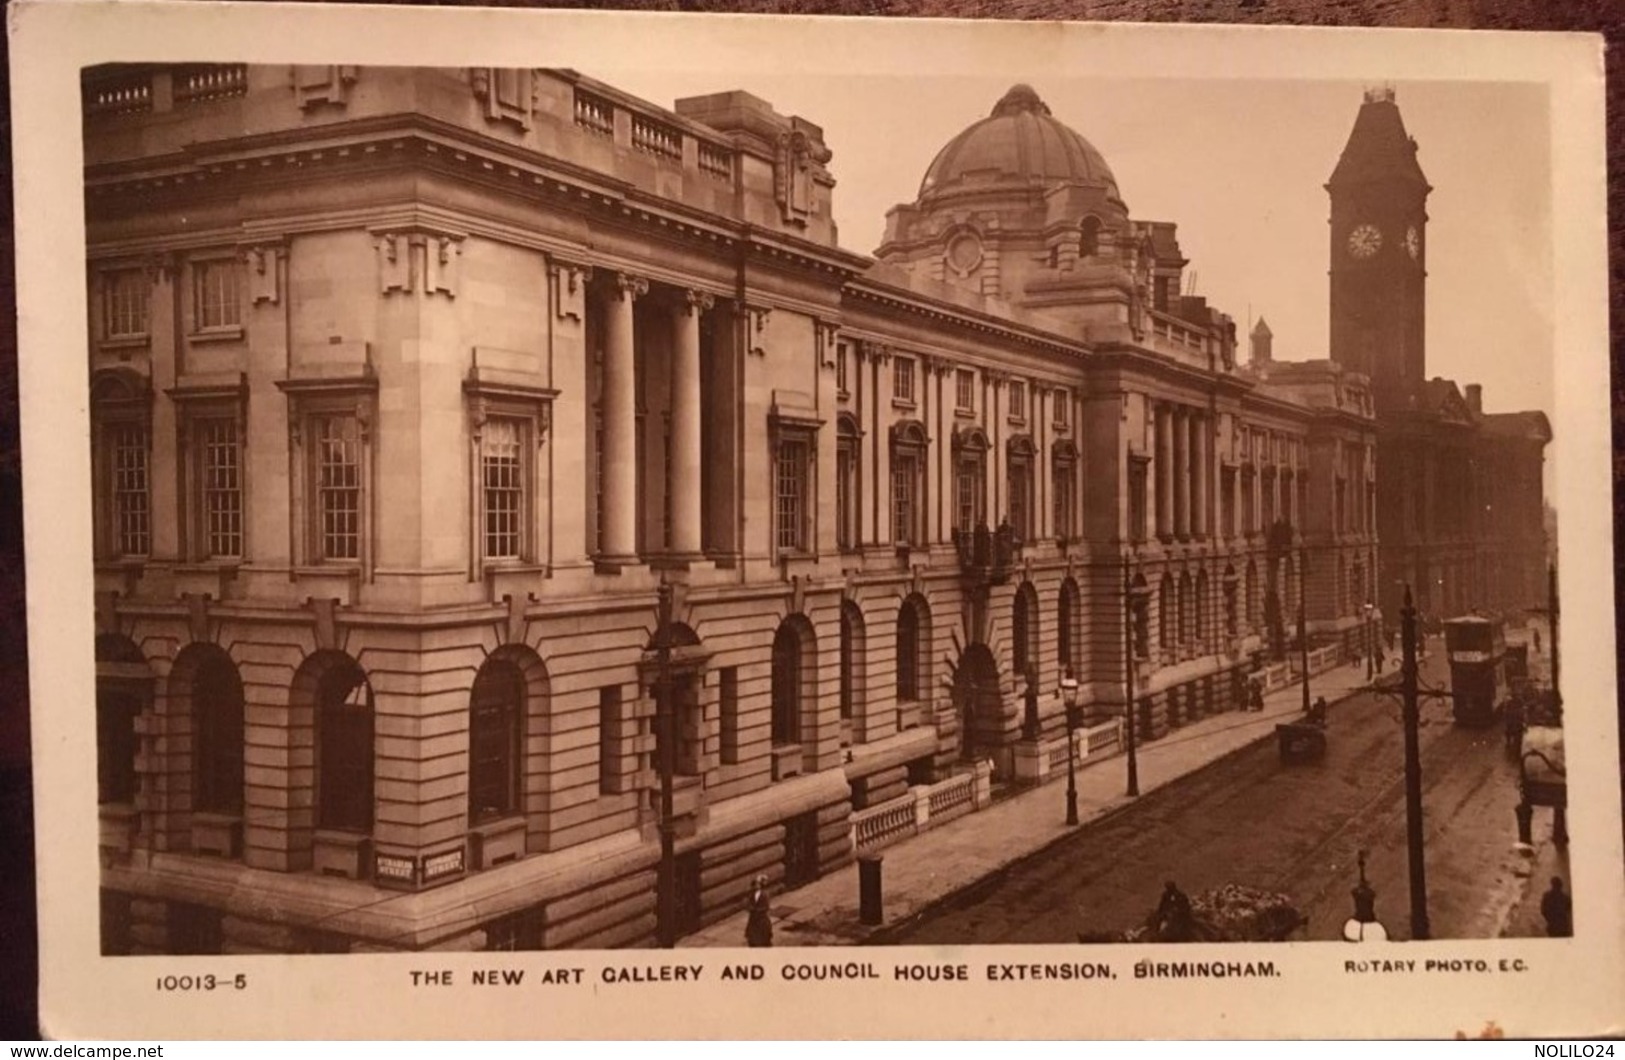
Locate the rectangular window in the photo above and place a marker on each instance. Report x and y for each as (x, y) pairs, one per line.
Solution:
(338, 487)
(215, 301)
(1136, 499)
(968, 495)
(609, 739)
(220, 487)
(1020, 480)
(790, 496)
(503, 481)
(132, 507)
(1063, 499)
(1063, 407)
(728, 699)
(516, 932)
(597, 481)
(904, 476)
(1228, 501)
(903, 379)
(1342, 506)
(124, 304)
(846, 492)
(841, 353)
(1018, 400)
(1160, 288)
(965, 390)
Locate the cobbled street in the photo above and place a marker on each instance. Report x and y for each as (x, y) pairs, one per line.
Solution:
(1296, 829)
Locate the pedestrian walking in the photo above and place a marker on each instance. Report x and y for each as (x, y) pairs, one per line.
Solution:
(1558, 909)
(1512, 717)
(759, 927)
(1257, 694)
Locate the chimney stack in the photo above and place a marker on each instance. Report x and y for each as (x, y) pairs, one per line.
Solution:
(1475, 398)
(1262, 341)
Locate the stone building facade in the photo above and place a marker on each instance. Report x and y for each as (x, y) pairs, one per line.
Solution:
(473, 448)
(1461, 502)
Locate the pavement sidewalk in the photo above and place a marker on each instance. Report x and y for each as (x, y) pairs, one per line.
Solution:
(923, 870)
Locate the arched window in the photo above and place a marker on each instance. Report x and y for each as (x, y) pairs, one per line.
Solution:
(851, 649)
(1201, 606)
(1019, 486)
(1185, 609)
(908, 499)
(787, 677)
(344, 749)
(1024, 631)
(911, 639)
(1167, 631)
(846, 482)
(1142, 617)
(1066, 628)
(496, 713)
(1251, 593)
(1089, 237)
(1230, 615)
(217, 717)
(970, 477)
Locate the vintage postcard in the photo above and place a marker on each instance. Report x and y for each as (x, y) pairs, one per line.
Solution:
(576, 525)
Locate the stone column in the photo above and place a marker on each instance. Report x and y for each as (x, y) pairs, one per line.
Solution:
(1204, 468)
(685, 424)
(1165, 474)
(1044, 511)
(1182, 474)
(619, 517)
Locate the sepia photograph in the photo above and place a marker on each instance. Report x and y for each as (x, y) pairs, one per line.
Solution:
(597, 504)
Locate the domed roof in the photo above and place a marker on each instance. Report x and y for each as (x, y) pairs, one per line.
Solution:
(1020, 141)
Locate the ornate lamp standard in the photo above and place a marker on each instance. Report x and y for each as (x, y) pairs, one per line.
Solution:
(666, 921)
(1364, 926)
(1370, 641)
(1130, 645)
(1069, 696)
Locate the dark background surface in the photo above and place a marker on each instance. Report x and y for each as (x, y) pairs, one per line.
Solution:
(18, 939)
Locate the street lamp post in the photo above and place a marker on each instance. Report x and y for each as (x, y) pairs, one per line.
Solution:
(1370, 643)
(667, 882)
(1413, 770)
(1128, 680)
(1303, 628)
(1069, 696)
(1364, 926)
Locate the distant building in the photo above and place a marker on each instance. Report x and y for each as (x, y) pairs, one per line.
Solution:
(1460, 500)
(412, 387)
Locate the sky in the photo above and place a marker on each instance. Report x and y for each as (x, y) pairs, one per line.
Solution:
(1240, 166)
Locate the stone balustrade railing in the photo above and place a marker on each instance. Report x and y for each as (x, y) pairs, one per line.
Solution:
(923, 807)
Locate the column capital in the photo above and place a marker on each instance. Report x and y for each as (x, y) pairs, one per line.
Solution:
(696, 301)
(626, 285)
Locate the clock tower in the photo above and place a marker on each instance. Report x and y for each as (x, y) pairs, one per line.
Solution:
(1379, 254)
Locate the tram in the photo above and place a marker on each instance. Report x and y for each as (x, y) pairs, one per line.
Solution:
(1476, 648)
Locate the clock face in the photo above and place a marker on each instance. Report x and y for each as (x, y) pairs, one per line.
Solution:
(1413, 242)
(1365, 241)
